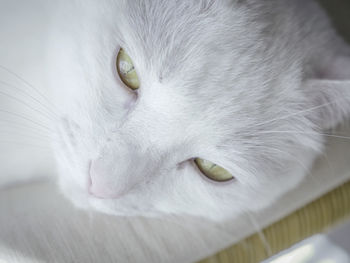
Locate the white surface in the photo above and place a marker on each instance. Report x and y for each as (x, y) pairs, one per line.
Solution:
(332, 247)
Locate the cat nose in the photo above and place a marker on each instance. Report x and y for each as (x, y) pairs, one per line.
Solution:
(98, 185)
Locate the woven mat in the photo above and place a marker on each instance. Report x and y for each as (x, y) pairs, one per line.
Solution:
(313, 218)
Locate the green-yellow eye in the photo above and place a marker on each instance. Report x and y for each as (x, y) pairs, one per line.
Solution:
(213, 171)
(126, 70)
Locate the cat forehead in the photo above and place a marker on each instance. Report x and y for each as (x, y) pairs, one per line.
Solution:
(177, 41)
(154, 23)
(162, 20)
(158, 29)
(175, 35)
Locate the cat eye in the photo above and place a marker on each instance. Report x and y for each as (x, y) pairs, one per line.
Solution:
(213, 171)
(126, 70)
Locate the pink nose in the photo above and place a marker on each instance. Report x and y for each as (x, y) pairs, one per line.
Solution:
(99, 186)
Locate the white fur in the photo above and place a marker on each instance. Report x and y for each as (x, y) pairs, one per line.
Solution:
(249, 85)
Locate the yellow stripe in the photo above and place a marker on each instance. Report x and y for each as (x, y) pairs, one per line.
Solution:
(307, 221)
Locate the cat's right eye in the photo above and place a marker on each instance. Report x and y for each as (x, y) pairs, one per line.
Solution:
(213, 171)
(126, 70)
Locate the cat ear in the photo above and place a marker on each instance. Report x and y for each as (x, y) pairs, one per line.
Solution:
(329, 92)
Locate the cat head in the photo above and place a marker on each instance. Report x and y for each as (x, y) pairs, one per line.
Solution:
(221, 81)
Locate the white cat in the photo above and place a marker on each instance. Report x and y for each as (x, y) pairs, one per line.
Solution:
(248, 86)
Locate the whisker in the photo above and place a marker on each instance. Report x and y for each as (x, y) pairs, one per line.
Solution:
(25, 144)
(30, 96)
(36, 136)
(23, 132)
(258, 229)
(28, 84)
(27, 105)
(25, 136)
(300, 112)
(21, 125)
(311, 133)
(329, 164)
(270, 150)
(27, 119)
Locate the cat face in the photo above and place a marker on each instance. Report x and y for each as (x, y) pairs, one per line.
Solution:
(217, 81)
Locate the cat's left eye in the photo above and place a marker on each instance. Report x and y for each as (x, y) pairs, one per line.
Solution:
(213, 171)
(126, 70)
